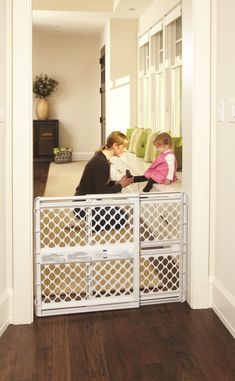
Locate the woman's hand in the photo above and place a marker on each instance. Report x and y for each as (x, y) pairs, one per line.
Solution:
(125, 181)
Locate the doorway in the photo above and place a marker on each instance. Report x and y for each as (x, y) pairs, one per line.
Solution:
(102, 95)
(21, 241)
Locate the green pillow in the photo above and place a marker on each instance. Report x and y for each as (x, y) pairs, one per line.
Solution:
(133, 140)
(150, 149)
(129, 132)
(141, 142)
(178, 142)
(154, 153)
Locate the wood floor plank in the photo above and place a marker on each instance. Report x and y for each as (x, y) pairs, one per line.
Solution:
(168, 342)
(40, 177)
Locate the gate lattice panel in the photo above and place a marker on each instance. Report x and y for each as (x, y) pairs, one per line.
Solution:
(159, 273)
(73, 226)
(163, 226)
(109, 251)
(160, 219)
(87, 254)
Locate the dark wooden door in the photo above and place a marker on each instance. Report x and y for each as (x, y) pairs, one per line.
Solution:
(102, 95)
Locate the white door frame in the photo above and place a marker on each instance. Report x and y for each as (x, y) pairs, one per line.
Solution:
(196, 113)
(22, 162)
(196, 15)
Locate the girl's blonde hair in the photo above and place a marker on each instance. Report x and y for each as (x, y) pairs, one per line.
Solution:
(115, 137)
(164, 139)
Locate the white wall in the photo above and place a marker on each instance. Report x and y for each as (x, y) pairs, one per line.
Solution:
(120, 40)
(4, 292)
(223, 283)
(74, 62)
(123, 74)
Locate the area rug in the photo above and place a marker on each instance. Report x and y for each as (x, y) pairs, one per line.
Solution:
(63, 179)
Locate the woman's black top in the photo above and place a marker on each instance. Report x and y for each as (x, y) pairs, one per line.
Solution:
(96, 177)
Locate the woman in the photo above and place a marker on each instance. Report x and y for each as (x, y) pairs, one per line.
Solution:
(96, 175)
(96, 180)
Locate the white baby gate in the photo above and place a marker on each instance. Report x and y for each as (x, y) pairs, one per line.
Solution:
(103, 252)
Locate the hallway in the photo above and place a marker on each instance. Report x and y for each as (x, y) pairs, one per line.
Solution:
(167, 342)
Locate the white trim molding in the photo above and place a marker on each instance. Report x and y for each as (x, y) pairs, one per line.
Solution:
(5, 310)
(155, 29)
(22, 162)
(82, 156)
(173, 15)
(196, 113)
(143, 39)
(223, 304)
(8, 162)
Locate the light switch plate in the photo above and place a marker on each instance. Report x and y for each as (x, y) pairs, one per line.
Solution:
(231, 110)
(220, 111)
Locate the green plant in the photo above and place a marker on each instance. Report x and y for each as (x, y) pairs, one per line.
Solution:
(43, 86)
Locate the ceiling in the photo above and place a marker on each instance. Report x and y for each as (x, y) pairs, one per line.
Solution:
(83, 17)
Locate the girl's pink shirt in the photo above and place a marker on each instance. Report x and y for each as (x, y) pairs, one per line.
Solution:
(158, 170)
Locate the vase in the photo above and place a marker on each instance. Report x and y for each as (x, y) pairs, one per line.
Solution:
(42, 109)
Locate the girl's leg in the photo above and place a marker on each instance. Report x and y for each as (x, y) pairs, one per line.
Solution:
(149, 185)
(140, 179)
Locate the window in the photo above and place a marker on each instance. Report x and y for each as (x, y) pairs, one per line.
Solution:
(173, 68)
(160, 75)
(144, 85)
(157, 79)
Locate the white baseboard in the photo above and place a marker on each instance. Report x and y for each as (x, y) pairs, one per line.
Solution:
(5, 310)
(82, 156)
(223, 304)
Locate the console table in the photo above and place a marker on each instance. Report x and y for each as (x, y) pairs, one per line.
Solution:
(45, 138)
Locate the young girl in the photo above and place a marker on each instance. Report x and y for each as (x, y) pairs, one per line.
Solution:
(163, 169)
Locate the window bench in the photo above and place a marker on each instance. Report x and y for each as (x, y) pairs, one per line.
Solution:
(137, 166)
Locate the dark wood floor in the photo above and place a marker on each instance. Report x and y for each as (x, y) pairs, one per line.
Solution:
(167, 342)
(40, 171)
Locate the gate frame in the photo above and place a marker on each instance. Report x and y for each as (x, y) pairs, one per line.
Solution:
(177, 247)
